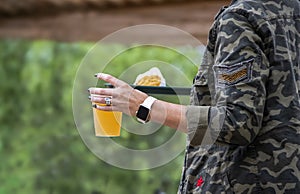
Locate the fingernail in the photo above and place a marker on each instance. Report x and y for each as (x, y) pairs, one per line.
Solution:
(90, 97)
(96, 75)
(88, 90)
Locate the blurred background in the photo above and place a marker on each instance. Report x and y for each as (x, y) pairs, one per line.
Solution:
(42, 43)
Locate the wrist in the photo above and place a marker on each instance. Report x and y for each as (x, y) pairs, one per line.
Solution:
(144, 110)
(138, 98)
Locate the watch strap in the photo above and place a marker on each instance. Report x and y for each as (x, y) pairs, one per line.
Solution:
(148, 102)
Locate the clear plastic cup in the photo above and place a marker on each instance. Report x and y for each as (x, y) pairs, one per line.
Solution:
(107, 123)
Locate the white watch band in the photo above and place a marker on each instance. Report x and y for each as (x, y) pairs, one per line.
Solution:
(148, 102)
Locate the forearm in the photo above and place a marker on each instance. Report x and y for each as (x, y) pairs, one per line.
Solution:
(169, 114)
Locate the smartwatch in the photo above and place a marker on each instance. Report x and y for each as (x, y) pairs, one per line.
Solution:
(143, 113)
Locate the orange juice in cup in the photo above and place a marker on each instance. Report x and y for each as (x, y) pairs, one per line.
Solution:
(107, 123)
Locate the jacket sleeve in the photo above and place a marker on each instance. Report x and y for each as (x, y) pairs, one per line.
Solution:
(239, 74)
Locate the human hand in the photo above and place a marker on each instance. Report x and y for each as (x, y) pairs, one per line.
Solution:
(123, 97)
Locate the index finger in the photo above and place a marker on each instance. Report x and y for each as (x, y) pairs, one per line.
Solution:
(110, 79)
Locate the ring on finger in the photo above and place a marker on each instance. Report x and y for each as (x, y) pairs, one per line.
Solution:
(107, 101)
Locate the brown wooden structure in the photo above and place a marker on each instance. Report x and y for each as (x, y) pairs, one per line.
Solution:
(91, 20)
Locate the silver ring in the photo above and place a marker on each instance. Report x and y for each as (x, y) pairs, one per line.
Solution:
(107, 101)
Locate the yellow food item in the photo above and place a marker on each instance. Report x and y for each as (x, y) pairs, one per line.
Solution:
(149, 80)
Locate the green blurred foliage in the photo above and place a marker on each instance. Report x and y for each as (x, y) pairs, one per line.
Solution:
(40, 148)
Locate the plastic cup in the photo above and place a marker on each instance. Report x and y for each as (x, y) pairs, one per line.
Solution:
(107, 123)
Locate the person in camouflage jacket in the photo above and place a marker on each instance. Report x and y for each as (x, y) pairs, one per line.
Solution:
(244, 118)
(243, 123)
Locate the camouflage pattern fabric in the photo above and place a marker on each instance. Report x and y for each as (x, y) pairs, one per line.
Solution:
(244, 117)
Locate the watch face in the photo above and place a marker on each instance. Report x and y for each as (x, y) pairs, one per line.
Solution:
(142, 113)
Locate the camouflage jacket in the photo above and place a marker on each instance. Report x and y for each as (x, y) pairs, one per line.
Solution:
(244, 117)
